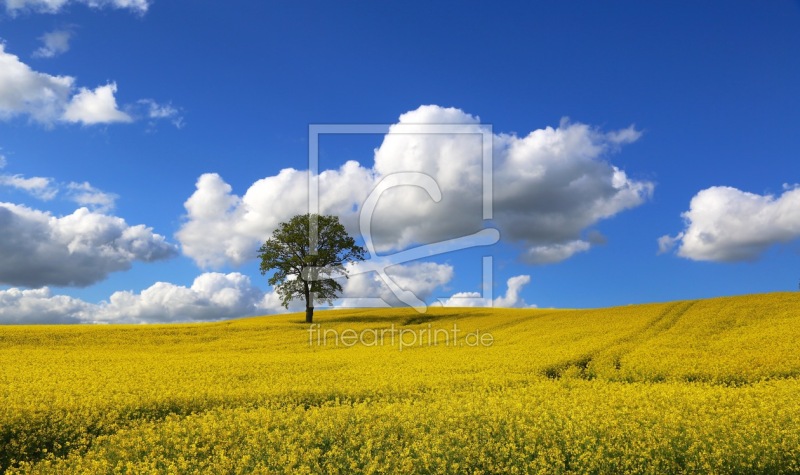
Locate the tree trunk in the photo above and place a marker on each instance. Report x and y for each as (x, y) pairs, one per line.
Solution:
(309, 314)
(309, 303)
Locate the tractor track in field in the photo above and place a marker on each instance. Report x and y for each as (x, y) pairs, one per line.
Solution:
(663, 322)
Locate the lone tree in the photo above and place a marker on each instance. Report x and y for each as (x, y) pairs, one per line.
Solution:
(307, 253)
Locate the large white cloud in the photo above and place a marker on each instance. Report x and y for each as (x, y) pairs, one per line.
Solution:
(24, 91)
(553, 185)
(550, 187)
(725, 224)
(221, 227)
(54, 6)
(39, 249)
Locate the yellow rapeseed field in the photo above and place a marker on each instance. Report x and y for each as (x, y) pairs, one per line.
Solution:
(709, 386)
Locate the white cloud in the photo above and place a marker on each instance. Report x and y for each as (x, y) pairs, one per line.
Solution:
(54, 43)
(95, 107)
(158, 111)
(39, 249)
(54, 6)
(420, 278)
(550, 187)
(39, 187)
(624, 136)
(512, 297)
(725, 224)
(48, 99)
(553, 184)
(212, 296)
(216, 296)
(26, 92)
(86, 195)
(221, 227)
(40, 306)
(3, 161)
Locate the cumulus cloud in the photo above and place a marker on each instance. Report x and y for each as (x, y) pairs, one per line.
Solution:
(54, 43)
(48, 99)
(221, 227)
(555, 185)
(40, 306)
(550, 187)
(724, 224)
(212, 296)
(38, 249)
(512, 297)
(95, 107)
(26, 92)
(54, 6)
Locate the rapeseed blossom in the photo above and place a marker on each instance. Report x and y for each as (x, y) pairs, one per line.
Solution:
(690, 387)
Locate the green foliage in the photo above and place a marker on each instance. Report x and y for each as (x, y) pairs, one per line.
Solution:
(307, 254)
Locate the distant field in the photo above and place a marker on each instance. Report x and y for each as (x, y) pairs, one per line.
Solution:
(708, 386)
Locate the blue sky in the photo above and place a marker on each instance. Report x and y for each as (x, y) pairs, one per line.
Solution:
(643, 151)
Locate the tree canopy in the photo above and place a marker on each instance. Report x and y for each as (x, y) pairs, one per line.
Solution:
(307, 254)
